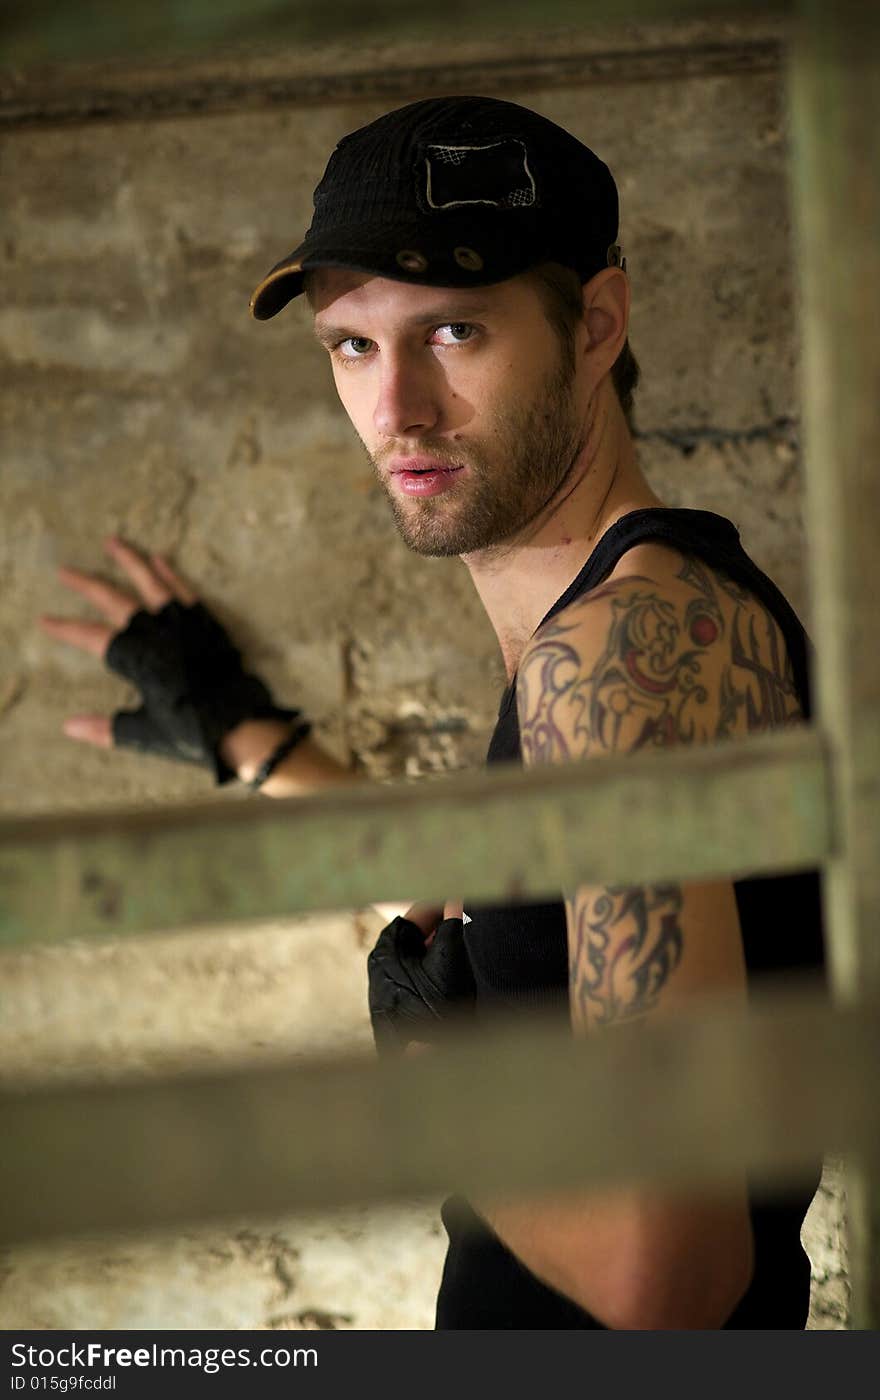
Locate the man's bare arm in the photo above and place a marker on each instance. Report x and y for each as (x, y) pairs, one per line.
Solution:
(643, 664)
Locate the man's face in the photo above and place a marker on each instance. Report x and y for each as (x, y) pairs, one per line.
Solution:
(464, 400)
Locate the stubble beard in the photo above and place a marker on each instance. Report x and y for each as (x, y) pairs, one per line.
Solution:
(509, 483)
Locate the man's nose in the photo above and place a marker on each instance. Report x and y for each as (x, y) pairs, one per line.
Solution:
(407, 403)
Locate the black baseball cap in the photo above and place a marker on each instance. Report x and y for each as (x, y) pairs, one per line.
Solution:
(454, 192)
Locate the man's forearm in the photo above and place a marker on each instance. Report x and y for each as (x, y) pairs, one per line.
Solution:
(308, 768)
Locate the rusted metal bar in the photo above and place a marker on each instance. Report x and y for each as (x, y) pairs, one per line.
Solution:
(64, 96)
(47, 31)
(742, 807)
(695, 1099)
(835, 103)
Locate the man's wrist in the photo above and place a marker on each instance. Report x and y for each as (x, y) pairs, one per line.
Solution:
(307, 768)
(249, 744)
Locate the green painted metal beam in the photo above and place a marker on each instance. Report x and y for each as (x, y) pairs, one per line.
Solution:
(753, 806)
(517, 1107)
(835, 106)
(337, 74)
(49, 31)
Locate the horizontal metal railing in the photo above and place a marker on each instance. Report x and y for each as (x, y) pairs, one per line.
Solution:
(519, 1107)
(750, 806)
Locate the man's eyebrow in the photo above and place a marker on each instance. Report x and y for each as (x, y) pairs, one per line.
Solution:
(329, 335)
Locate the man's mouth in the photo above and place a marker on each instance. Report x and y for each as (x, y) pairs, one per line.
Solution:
(420, 466)
(423, 476)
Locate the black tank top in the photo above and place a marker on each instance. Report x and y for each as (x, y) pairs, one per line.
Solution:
(519, 955)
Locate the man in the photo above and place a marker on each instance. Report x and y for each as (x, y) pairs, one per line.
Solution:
(466, 283)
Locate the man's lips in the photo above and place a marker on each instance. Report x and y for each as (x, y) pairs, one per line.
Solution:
(423, 476)
(421, 464)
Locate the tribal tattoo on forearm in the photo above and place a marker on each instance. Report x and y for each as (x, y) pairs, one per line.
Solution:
(688, 665)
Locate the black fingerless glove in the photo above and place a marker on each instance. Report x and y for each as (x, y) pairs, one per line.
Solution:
(192, 683)
(415, 991)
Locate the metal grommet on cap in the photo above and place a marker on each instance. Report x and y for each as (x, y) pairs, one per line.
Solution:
(411, 260)
(468, 258)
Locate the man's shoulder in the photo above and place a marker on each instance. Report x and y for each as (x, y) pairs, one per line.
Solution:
(663, 571)
(667, 650)
(650, 583)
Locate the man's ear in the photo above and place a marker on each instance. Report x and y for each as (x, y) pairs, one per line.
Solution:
(606, 300)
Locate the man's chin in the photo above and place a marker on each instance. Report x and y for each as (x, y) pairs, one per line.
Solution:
(431, 536)
(437, 538)
(434, 531)
(430, 546)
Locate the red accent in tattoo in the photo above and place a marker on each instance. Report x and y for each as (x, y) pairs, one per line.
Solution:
(704, 631)
(655, 687)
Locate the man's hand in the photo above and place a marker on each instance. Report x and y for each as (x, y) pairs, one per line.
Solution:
(420, 977)
(178, 656)
(156, 582)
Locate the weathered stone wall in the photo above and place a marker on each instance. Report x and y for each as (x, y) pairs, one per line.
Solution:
(138, 397)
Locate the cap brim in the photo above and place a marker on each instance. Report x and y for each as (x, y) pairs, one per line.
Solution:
(377, 254)
(278, 287)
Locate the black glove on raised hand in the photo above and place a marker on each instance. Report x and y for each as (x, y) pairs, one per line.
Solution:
(192, 683)
(414, 990)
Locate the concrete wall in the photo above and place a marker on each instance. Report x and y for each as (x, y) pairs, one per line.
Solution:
(138, 397)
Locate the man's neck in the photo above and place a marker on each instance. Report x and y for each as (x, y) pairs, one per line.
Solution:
(519, 582)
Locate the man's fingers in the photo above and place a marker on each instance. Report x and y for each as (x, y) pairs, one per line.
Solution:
(155, 592)
(387, 912)
(156, 582)
(93, 637)
(116, 606)
(453, 909)
(180, 590)
(90, 729)
(425, 916)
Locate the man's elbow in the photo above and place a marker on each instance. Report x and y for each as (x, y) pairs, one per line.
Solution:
(692, 1291)
(674, 1311)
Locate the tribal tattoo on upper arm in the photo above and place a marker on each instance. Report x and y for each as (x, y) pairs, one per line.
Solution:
(671, 671)
(624, 945)
(677, 666)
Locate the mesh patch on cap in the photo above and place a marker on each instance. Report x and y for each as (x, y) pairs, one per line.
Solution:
(495, 173)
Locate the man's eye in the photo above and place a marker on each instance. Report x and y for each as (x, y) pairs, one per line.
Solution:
(354, 347)
(455, 333)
